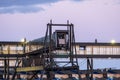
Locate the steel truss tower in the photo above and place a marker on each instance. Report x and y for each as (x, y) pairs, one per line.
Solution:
(55, 42)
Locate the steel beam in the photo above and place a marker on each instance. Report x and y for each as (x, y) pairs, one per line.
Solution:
(87, 56)
(60, 24)
(32, 68)
(12, 55)
(63, 56)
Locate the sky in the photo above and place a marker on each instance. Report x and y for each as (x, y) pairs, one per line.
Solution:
(92, 19)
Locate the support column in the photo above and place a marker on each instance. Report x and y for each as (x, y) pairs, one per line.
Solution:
(89, 74)
(5, 65)
(8, 63)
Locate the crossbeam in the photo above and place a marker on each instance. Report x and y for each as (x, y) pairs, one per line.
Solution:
(87, 56)
(26, 69)
(64, 56)
(60, 24)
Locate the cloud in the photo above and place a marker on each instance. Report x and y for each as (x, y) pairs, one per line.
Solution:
(8, 3)
(29, 6)
(20, 9)
(22, 6)
(25, 6)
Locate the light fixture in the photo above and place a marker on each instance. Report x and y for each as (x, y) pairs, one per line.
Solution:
(23, 40)
(113, 41)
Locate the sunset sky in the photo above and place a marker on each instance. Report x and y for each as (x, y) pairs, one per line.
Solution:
(93, 19)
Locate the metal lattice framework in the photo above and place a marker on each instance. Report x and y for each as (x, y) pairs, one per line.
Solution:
(35, 57)
(54, 45)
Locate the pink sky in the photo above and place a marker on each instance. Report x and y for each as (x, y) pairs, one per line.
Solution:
(92, 19)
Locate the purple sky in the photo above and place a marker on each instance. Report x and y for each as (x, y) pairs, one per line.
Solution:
(92, 18)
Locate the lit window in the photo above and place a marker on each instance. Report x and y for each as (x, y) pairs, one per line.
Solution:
(82, 48)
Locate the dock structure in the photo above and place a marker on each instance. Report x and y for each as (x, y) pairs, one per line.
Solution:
(45, 56)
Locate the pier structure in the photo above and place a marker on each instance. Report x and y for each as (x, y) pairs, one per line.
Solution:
(45, 56)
